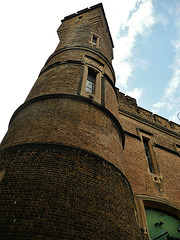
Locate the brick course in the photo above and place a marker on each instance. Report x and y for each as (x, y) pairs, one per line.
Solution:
(69, 122)
(57, 192)
(165, 136)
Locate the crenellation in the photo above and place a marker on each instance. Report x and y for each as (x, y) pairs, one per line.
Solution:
(129, 105)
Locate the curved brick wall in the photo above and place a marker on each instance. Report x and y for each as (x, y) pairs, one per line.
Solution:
(63, 151)
(64, 73)
(70, 122)
(60, 79)
(56, 192)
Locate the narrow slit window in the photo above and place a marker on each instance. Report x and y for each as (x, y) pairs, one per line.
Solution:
(91, 80)
(146, 142)
(94, 39)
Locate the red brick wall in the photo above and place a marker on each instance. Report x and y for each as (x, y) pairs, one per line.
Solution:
(57, 192)
(70, 122)
(165, 135)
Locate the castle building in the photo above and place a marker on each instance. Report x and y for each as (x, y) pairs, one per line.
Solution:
(81, 160)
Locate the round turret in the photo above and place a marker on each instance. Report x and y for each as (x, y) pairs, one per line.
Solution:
(62, 155)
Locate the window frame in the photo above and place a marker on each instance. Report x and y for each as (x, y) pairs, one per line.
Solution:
(96, 94)
(149, 154)
(91, 81)
(153, 168)
(145, 201)
(97, 42)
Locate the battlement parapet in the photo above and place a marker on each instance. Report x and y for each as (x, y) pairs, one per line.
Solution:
(129, 105)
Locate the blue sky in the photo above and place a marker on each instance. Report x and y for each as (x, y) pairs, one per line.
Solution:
(153, 60)
(155, 57)
(146, 35)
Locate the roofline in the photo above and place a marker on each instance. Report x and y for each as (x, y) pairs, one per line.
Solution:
(87, 10)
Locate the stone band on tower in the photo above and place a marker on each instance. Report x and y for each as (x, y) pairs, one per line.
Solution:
(62, 155)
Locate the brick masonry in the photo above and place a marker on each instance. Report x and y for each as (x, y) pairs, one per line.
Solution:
(63, 169)
(57, 192)
(165, 137)
(69, 122)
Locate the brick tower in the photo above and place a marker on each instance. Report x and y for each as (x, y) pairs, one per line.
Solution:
(61, 159)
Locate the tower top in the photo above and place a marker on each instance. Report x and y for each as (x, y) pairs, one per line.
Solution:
(99, 5)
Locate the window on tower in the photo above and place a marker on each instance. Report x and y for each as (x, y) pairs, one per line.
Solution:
(95, 39)
(91, 80)
(90, 84)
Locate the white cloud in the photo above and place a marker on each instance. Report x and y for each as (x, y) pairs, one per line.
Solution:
(137, 20)
(162, 19)
(135, 93)
(142, 19)
(174, 11)
(163, 104)
(170, 101)
(175, 117)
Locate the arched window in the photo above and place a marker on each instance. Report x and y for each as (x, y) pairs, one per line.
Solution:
(158, 218)
(162, 225)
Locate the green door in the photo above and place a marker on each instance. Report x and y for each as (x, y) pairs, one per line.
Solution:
(160, 222)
